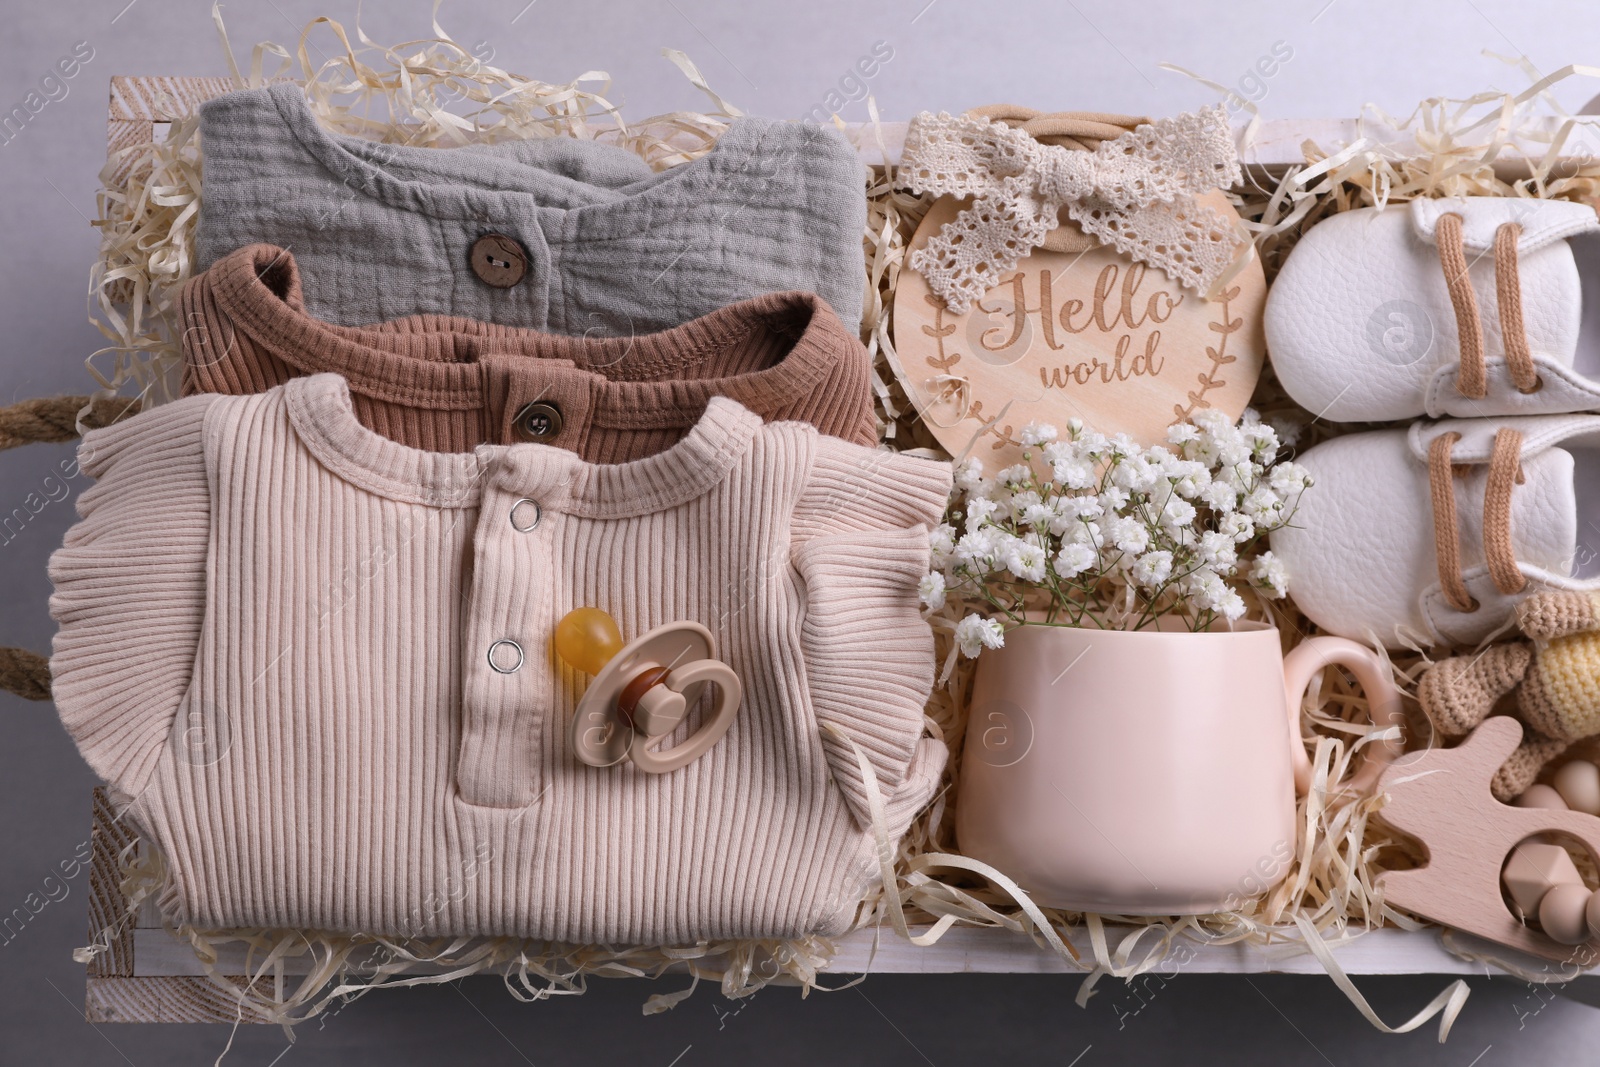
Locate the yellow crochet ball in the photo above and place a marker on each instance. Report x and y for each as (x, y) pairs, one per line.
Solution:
(587, 639)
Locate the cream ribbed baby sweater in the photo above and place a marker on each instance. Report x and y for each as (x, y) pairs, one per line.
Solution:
(274, 634)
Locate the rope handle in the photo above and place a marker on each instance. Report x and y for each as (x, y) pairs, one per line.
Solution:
(49, 419)
(24, 673)
(56, 418)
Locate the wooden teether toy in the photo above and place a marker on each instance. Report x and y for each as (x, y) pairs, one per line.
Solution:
(1442, 798)
(1540, 875)
(642, 690)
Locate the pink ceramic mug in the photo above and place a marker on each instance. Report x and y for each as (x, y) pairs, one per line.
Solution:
(1147, 772)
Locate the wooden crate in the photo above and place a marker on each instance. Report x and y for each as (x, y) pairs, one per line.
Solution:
(148, 975)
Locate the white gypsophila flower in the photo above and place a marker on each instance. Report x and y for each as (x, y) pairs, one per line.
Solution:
(1086, 507)
(1196, 578)
(1177, 512)
(1217, 550)
(1177, 467)
(1024, 559)
(976, 633)
(980, 509)
(1263, 440)
(1037, 433)
(1187, 477)
(1220, 497)
(941, 545)
(1238, 526)
(1074, 558)
(1058, 451)
(1289, 479)
(1073, 473)
(969, 474)
(1021, 502)
(979, 550)
(1221, 444)
(1237, 477)
(1182, 433)
(1058, 514)
(1230, 605)
(1128, 534)
(1015, 476)
(1040, 516)
(1153, 568)
(1205, 588)
(1270, 575)
(931, 591)
(1069, 511)
(1085, 532)
(1211, 421)
(1121, 446)
(1262, 505)
(1234, 450)
(1134, 473)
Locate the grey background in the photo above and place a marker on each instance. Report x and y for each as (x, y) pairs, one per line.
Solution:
(777, 59)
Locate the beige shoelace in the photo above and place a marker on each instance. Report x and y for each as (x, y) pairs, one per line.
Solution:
(1505, 470)
(1473, 383)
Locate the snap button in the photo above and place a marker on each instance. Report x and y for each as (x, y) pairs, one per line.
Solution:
(531, 514)
(497, 656)
(498, 260)
(539, 421)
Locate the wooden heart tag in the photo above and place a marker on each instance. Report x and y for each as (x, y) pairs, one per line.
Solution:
(1094, 335)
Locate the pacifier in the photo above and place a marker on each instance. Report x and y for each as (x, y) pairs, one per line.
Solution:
(642, 691)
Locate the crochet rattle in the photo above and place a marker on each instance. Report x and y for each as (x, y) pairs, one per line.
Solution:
(641, 691)
(1556, 677)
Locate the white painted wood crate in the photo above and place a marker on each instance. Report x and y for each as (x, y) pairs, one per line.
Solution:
(147, 975)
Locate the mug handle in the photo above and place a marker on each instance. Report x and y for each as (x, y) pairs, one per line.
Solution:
(1383, 702)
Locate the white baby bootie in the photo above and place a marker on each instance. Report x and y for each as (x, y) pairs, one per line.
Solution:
(1431, 535)
(1467, 307)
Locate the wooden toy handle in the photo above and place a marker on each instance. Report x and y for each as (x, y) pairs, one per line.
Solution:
(729, 694)
(1383, 702)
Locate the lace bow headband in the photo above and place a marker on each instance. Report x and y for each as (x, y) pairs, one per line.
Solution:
(1134, 192)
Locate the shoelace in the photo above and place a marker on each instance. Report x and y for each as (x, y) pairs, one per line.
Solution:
(1473, 382)
(1505, 470)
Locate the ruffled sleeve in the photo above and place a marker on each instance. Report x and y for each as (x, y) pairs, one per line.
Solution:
(861, 547)
(130, 589)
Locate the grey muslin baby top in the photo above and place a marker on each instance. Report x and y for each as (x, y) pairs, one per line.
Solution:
(555, 234)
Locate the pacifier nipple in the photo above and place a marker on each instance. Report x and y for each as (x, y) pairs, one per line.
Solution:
(640, 692)
(587, 639)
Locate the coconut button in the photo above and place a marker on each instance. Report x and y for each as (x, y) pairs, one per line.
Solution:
(498, 261)
(538, 422)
